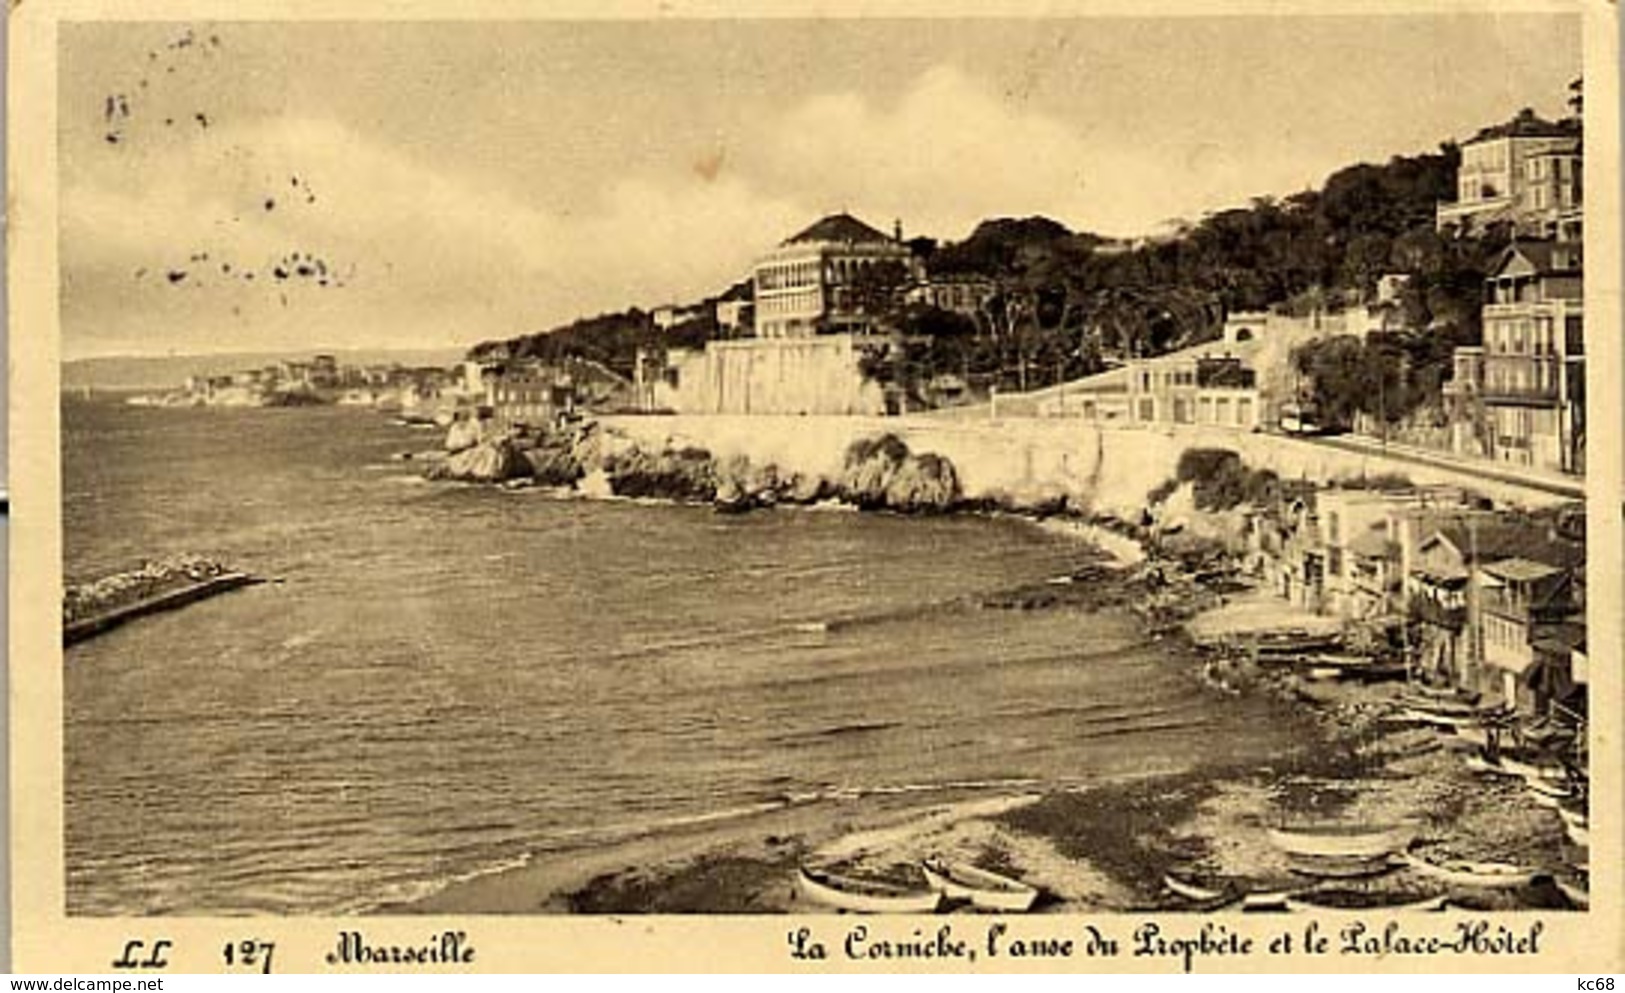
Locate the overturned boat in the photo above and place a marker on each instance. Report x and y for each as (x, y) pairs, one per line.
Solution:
(1479, 875)
(864, 896)
(1360, 901)
(1343, 841)
(983, 888)
(1341, 866)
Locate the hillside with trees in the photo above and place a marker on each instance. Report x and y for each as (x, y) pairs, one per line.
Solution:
(1071, 303)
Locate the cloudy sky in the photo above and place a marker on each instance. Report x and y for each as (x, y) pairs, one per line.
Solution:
(419, 184)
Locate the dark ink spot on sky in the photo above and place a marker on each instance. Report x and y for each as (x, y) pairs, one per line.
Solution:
(280, 272)
(202, 118)
(176, 275)
(112, 139)
(270, 204)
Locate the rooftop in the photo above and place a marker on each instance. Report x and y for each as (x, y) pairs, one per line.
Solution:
(1540, 254)
(1528, 124)
(842, 227)
(1520, 570)
(1495, 540)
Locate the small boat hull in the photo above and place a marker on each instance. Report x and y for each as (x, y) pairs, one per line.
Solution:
(984, 889)
(1574, 893)
(1193, 891)
(1317, 903)
(1480, 875)
(1554, 789)
(863, 896)
(1267, 901)
(1354, 867)
(1342, 841)
(1479, 763)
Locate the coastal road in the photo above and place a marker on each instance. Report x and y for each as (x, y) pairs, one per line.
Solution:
(1542, 482)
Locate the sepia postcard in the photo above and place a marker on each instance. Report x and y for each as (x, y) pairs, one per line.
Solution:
(719, 487)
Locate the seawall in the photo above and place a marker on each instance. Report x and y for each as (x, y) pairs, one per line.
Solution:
(1107, 470)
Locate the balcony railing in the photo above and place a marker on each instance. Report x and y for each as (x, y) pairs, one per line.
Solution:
(1531, 396)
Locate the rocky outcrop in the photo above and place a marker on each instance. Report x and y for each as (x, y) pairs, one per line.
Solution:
(674, 474)
(554, 465)
(494, 461)
(464, 433)
(881, 473)
(923, 484)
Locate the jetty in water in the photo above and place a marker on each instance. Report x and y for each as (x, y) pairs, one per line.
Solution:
(95, 608)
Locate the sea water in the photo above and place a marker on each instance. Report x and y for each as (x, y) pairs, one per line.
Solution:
(449, 679)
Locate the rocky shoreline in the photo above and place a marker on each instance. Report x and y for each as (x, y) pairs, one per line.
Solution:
(877, 473)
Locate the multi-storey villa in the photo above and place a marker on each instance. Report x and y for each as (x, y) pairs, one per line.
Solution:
(820, 281)
(1520, 397)
(1523, 172)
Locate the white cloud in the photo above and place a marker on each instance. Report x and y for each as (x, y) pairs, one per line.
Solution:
(950, 152)
(428, 257)
(435, 256)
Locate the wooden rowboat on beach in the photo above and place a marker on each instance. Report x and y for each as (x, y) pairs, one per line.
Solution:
(1266, 901)
(1550, 788)
(1343, 665)
(1194, 891)
(1210, 898)
(1574, 893)
(1533, 769)
(1478, 763)
(1358, 902)
(984, 889)
(864, 896)
(1481, 875)
(1449, 722)
(1342, 841)
(1341, 867)
(1453, 694)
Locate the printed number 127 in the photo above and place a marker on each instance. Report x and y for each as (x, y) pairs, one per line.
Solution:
(249, 953)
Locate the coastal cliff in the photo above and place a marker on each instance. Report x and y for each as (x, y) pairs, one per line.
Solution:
(878, 472)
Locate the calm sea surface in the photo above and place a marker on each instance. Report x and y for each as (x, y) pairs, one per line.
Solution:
(452, 679)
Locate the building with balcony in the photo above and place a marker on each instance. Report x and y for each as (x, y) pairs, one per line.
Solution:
(1497, 180)
(1525, 388)
(832, 278)
(1522, 603)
